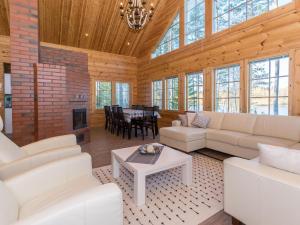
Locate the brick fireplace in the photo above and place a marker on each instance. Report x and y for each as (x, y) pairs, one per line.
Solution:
(47, 83)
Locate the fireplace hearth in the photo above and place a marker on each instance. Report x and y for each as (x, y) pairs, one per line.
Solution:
(79, 118)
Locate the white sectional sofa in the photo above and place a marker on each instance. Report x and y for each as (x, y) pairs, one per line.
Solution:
(235, 133)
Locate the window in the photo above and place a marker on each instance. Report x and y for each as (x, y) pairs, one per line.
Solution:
(170, 40)
(269, 86)
(227, 89)
(172, 93)
(103, 94)
(194, 20)
(228, 13)
(157, 93)
(194, 92)
(122, 94)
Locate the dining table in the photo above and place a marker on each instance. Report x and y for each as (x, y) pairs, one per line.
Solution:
(130, 114)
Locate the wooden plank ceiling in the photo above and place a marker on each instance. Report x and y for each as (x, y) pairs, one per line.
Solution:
(67, 22)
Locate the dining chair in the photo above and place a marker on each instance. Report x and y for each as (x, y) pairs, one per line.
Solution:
(107, 117)
(140, 107)
(114, 114)
(123, 124)
(149, 120)
(156, 110)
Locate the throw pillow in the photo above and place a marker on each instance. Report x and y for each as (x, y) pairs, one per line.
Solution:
(280, 157)
(201, 120)
(184, 120)
(190, 118)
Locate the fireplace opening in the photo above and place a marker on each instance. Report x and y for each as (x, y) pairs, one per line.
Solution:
(79, 119)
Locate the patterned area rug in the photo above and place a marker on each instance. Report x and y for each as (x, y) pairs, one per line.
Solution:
(168, 201)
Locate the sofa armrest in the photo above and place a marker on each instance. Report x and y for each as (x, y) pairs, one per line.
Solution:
(251, 190)
(49, 176)
(50, 143)
(176, 123)
(32, 161)
(100, 205)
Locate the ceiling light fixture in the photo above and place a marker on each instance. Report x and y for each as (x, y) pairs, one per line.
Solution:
(136, 13)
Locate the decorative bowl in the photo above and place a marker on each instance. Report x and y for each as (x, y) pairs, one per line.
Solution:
(150, 149)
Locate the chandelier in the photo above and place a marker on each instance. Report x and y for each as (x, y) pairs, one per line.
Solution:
(136, 13)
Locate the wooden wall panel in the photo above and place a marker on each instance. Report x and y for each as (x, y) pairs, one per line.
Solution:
(271, 34)
(109, 67)
(295, 82)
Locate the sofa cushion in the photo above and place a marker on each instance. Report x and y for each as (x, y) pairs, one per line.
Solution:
(59, 194)
(9, 151)
(287, 127)
(215, 119)
(185, 134)
(226, 136)
(201, 120)
(239, 122)
(280, 158)
(9, 207)
(183, 119)
(190, 118)
(252, 141)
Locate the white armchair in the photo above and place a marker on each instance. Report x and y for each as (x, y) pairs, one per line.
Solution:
(256, 194)
(61, 193)
(15, 159)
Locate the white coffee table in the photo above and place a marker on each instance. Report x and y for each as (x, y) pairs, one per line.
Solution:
(169, 158)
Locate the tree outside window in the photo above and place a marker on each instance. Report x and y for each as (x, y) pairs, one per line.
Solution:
(172, 93)
(122, 94)
(228, 13)
(194, 20)
(157, 93)
(194, 91)
(227, 89)
(103, 94)
(269, 86)
(170, 41)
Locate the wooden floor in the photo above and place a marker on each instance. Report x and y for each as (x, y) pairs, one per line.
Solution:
(102, 142)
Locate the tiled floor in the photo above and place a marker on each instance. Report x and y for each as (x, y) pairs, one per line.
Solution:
(102, 142)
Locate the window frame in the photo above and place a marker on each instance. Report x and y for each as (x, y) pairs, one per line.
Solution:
(129, 93)
(228, 98)
(187, 86)
(98, 90)
(269, 97)
(167, 96)
(215, 16)
(200, 15)
(162, 91)
(170, 40)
